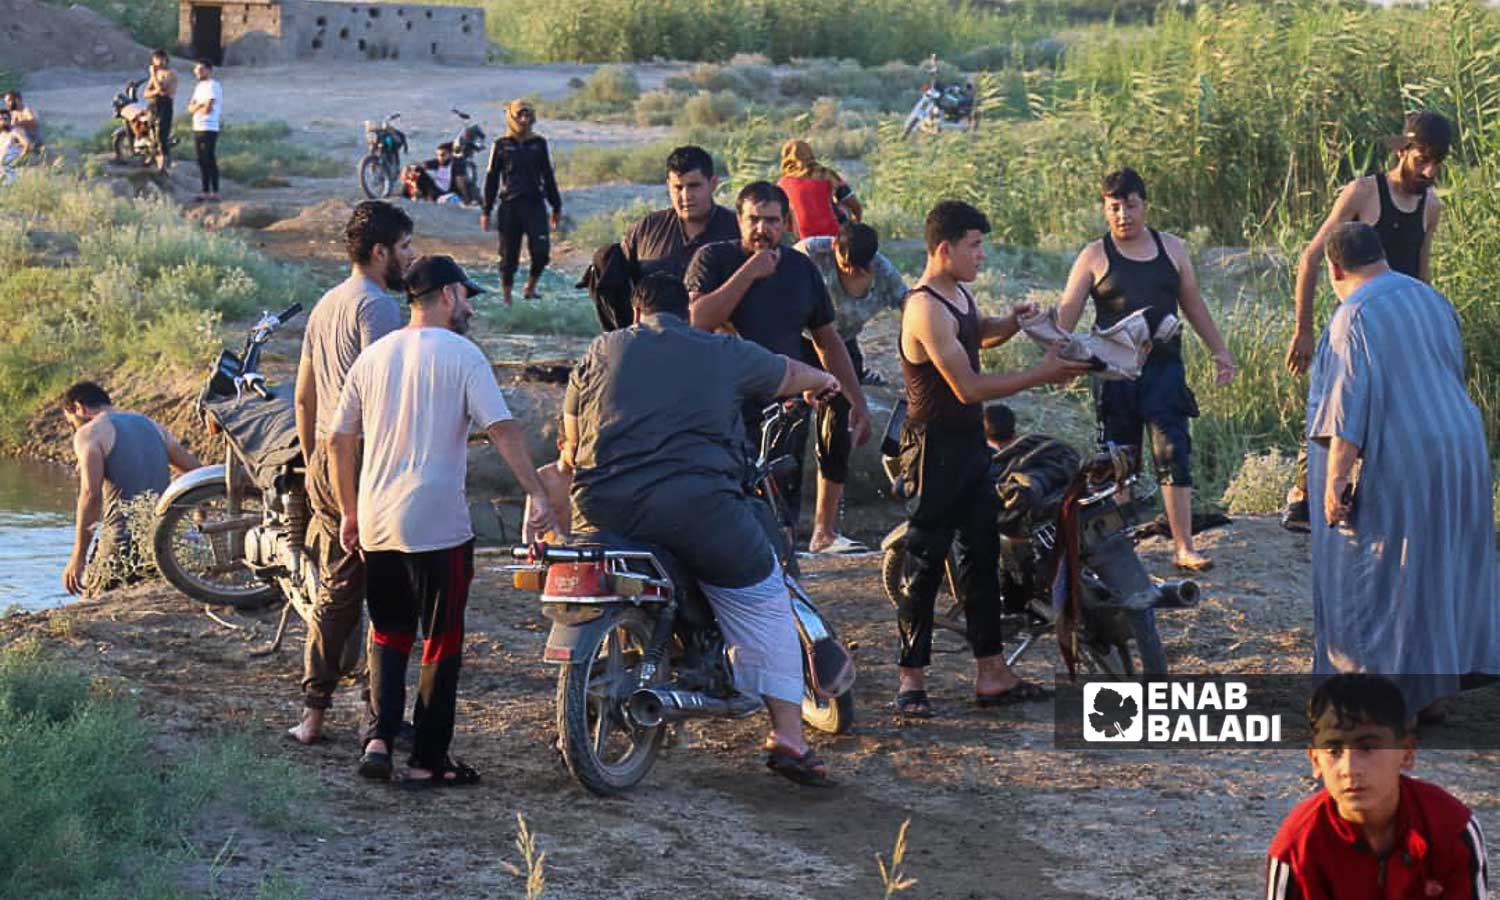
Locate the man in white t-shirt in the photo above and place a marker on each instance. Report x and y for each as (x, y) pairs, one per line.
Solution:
(414, 396)
(207, 106)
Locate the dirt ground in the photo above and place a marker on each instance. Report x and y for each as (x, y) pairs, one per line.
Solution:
(996, 812)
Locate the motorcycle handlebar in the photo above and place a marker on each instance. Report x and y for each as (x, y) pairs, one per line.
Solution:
(289, 313)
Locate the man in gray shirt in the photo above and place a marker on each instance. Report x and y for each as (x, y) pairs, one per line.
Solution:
(656, 437)
(349, 318)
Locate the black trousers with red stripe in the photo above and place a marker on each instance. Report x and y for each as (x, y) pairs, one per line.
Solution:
(405, 590)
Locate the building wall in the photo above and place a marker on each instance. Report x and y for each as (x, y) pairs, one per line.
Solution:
(259, 32)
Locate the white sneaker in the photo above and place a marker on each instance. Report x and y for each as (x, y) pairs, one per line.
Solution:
(841, 546)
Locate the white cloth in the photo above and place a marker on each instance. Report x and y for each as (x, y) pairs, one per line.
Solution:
(761, 632)
(442, 176)
(12, 143)
(208, 89)
(1121, 348)
(414, 395)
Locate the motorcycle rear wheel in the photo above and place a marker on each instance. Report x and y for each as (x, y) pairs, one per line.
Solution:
(375, 177)
(591, 721)
(215, 577)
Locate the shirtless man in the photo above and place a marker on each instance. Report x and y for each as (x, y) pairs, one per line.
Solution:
(1404, 207)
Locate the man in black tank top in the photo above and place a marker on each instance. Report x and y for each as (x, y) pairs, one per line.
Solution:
(1404, 207)
(1130, 269)
(944, 455)
(121, 456)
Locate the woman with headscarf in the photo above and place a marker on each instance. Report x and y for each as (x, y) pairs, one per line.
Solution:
(820, 199)
(520, 177)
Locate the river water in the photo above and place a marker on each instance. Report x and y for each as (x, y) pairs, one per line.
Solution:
(36, 532)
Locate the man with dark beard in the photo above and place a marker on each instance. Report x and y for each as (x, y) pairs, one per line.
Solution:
(1404, 207)
(346, 320)
(413, 398)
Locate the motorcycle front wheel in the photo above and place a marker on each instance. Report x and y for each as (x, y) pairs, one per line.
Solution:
(601, 747)
(1116, 658)
(374, 177)
(834, 716)
(194, 551)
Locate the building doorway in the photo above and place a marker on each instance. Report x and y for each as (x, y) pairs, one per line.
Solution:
(208, 33)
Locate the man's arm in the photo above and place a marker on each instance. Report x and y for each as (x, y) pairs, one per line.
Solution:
(709, 310)
(1342, 455)
(178, 456)
(801, 378)
(1190, 300)
(342, 469)
(305, 406)
(569, 454)
(1076, 292)
(934, 329)
(90, 506)
(1424, 265)
(835, 358)
(549, 186)
(491, 186)
(510, 441)
(1345, 209)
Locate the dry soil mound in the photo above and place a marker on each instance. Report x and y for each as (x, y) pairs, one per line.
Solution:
(37, 35)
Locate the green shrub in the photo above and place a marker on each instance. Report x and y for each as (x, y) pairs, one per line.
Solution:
(706, 110)
(610, 92)
(659, 107)
(1259, 487)
(92, 810)
(585, 165)
(608, 227)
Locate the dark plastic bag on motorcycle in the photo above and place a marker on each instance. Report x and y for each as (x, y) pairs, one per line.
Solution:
(1031, 475)
(263, 431)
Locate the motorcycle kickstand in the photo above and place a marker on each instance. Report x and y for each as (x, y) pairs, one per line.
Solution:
(286, 611)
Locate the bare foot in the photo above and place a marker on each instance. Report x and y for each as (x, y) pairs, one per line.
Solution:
(309, 730)
(1192, 561)
(993, 676)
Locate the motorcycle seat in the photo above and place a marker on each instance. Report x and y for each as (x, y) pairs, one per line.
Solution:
(692, 604)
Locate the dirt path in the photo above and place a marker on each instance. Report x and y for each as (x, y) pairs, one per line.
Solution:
(996, 812)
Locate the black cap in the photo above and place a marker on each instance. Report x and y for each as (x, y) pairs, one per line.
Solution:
(1427, 129)
(429, 273)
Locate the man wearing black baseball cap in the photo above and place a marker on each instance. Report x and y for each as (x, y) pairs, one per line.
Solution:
(414, 396)
(1404, 208)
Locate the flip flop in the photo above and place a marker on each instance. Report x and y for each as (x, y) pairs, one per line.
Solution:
(375, 765)
(462, 774)
(908, 701)
(840, 546)
(805, 768)
(1024, 692)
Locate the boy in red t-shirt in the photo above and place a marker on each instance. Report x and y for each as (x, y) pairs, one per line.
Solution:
(1372, 833)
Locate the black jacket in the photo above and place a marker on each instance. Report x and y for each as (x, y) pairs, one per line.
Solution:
(520, 170)
(609, 281)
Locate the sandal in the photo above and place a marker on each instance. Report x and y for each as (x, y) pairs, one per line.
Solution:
(452, 773)
(1024, 692)
(805, 768)
(913, 704)
(375, 765)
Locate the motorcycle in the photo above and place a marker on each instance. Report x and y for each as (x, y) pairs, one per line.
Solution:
(638, 647)
(137, 135)
(380, 169)
(950, 105)
(468, 144)
(234, 533)
(1116, 632)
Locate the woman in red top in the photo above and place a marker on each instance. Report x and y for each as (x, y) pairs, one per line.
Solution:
(820, 199)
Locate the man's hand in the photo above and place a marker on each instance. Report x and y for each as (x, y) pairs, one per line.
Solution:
(484, 221)
(1022, 309)
(1299, 354)
(549, 516)
(761, 264)
(555, 218)
(827, 389)
(72, 576)
(859, 425)
(1223, 368)
(1053, 369)
(1335, 510)
(349, 533)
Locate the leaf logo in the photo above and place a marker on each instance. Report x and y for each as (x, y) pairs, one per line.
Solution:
(1112, 711)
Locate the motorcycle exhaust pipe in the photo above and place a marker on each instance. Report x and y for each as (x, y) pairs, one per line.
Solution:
(650, 707)
(1183, 594)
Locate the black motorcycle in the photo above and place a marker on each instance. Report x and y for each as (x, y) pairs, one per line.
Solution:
(468, 146)
(942, 105)
(1115, 632)
(380, 169)
(639, 648)
(234, 533)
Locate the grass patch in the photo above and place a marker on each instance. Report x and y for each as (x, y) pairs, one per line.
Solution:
(91, 809)
(143, 288)
(255, 154)
(608, 227)
(640, 163)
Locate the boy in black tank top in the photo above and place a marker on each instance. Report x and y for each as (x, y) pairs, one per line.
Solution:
(1404, 207)
(945, 456)
(1133, 268)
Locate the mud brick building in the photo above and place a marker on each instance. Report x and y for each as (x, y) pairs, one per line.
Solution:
(259, 32)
